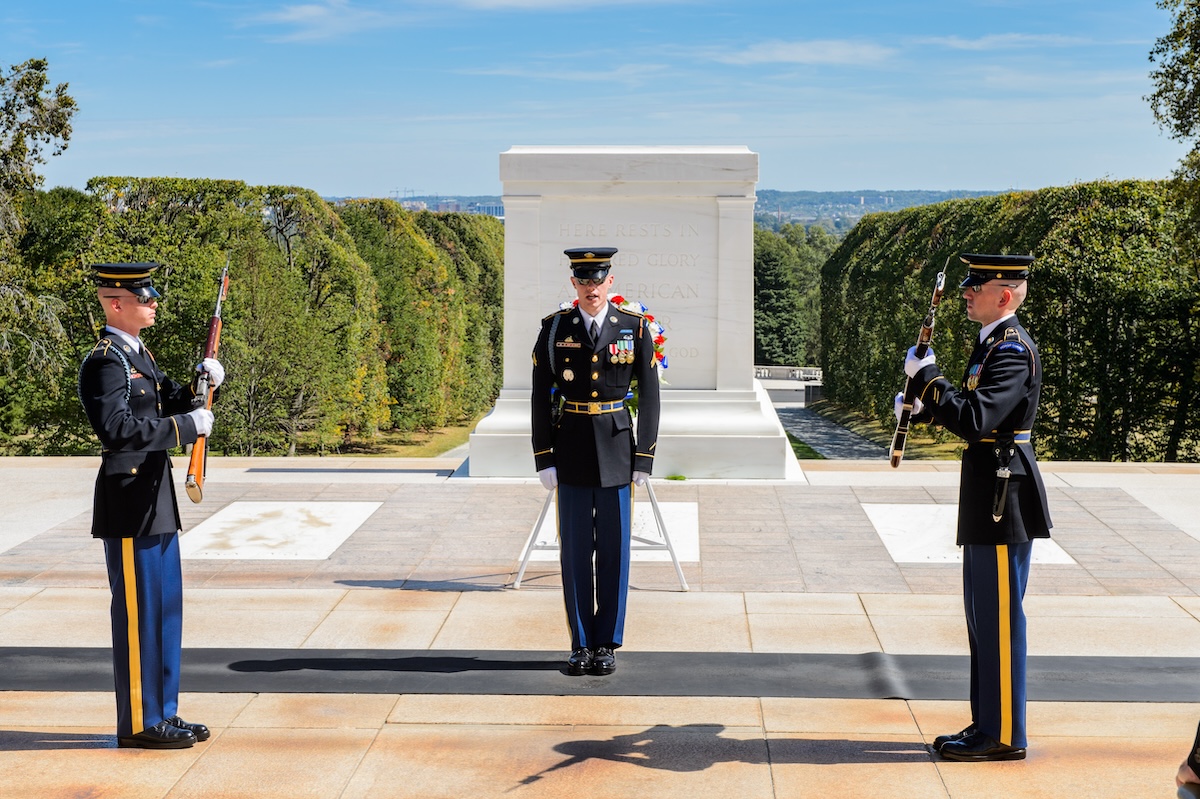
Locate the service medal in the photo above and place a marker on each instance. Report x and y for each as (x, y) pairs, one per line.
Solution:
(973, 377)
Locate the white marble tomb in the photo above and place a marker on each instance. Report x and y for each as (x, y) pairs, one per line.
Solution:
(682, 219)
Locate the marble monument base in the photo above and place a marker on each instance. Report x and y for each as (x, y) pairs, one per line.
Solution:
(703, 434)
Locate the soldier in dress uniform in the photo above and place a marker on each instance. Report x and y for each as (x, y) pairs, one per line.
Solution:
(1002, 501)
(584, 446)
(139, 414)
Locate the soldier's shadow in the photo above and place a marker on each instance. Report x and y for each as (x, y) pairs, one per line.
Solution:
(697, 747)
(29, 740)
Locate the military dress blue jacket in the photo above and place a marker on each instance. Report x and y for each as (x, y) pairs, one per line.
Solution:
(138, 414)
(996, 403)
(581, 423)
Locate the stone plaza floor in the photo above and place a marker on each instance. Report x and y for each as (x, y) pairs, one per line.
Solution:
(351, 630)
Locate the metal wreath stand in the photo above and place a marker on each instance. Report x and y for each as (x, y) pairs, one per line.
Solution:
(637, 542)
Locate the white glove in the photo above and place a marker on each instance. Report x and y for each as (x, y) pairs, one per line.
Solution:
(913, 364)
(549, 478)
(203, 418)
(216, 372)
(917, 406)
(640, 478)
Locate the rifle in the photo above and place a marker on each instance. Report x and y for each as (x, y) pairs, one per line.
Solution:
(198, 465)
(910, 388)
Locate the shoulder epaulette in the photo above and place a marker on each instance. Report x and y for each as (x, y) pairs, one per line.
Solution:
(559, 312)
(104, 346)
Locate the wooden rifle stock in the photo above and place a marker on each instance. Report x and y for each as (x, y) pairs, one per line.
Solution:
(910, 387)
(198, 464)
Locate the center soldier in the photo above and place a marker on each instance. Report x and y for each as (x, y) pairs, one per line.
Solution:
(1002, 500)
(584, 361)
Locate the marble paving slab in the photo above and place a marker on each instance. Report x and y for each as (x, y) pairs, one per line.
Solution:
(275, 530)
(926, 534)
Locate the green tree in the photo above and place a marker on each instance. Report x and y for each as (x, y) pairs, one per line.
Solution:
(777, 301)
(1112, 307)
(1175, 102)
(33, 117)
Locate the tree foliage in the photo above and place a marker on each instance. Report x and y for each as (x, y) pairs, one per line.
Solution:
(1111, 307)
(332, 330)
(441, 281)
(33, 117)
(787, 285)
(1175, 100)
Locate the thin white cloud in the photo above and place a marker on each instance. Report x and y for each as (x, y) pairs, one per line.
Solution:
(330, 19)
(816, 51)
(1006, 41)
(629, 74)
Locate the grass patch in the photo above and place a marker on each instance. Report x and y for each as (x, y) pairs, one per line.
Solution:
(803, 451)
(924, 442)
(399, 444)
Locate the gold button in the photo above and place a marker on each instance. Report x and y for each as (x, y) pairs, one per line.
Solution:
(595, 358)
(143, 391)
(595, 393)
(595, 375)
(133, 470)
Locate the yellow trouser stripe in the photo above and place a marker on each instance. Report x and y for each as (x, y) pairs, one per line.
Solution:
(1005, 644)
(135, 648)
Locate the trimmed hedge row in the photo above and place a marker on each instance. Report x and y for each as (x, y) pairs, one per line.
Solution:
(1114, 310)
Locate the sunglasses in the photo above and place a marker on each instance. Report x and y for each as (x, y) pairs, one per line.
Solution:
(142, 299)
(590, 281)
(979, 287)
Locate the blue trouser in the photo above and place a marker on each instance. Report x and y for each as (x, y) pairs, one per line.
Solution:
(994, 580)
(594, 522)
(147, 628)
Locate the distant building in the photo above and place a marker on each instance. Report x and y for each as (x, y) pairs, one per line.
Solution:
(487, 209)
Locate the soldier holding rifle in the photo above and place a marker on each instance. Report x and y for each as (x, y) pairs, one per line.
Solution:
(138, 414)
(1002, 501)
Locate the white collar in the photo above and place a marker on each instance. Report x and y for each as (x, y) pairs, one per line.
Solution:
(132, 341)
(986, 330)
(588, 318)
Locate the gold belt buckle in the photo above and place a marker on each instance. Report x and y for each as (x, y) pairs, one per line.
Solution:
(593, 408)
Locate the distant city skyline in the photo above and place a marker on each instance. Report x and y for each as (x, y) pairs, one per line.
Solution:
(381, 98)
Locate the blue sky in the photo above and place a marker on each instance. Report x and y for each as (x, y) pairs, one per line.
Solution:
(379, 98)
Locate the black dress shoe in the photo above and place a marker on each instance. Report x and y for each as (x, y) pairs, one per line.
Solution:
(580, 661)
(162, 735)
(942, 740)
(978, 747)
(605, 662)
(199, 730)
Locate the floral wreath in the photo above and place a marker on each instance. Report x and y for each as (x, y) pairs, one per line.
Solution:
(657, 333)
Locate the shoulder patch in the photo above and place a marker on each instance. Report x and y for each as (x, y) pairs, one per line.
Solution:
(1010, 346)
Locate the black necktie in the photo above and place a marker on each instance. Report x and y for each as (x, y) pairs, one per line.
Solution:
(595, 332)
